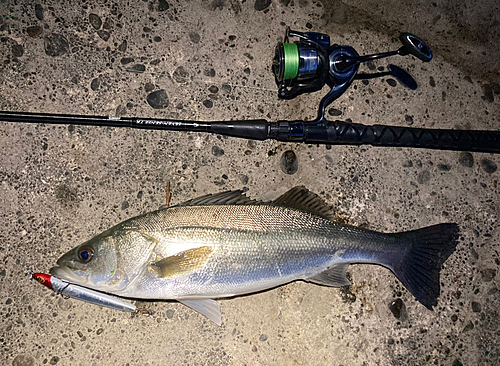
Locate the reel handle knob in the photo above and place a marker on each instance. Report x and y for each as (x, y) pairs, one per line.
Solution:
(413, 45)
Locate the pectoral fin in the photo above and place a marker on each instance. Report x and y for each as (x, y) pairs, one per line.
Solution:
(183, 262)
(208, 307)
(334, 276)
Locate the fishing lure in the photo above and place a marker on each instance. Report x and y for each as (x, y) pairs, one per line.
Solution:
(85, 294)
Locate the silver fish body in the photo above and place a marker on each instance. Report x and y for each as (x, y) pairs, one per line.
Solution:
(254, 248)
(226, 245)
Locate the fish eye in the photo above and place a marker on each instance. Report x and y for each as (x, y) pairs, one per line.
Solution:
(85, 253)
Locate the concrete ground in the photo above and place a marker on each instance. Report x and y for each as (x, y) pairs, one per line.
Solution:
(61, 185)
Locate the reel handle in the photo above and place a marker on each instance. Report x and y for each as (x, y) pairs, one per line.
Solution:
(412, 45)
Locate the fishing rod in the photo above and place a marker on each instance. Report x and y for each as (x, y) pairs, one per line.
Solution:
(305, 66)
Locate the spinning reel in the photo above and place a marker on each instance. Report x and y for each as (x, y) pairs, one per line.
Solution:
(308, 64)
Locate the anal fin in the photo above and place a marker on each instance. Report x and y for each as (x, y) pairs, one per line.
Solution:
(208, 307)
(334, 276)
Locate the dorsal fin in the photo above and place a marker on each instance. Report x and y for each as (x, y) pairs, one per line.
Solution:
(223, 198)
(299, 198)
(302, 199)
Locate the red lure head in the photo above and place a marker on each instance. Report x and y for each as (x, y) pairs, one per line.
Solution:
(44, 279)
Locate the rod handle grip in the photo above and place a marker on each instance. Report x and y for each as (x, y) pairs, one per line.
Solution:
(346, 133)
(442, 139)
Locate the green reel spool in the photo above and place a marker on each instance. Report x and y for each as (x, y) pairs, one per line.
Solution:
(291, 58)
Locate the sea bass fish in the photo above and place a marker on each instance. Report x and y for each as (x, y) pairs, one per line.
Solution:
(227, 244)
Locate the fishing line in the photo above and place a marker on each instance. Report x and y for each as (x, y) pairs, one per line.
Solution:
(218, 83)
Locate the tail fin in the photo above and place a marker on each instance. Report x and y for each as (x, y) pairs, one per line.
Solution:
(427, 250)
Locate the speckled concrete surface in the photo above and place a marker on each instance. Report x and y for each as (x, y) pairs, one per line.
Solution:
(61, 185)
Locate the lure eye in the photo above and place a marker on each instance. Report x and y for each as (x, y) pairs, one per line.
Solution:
(85, 253)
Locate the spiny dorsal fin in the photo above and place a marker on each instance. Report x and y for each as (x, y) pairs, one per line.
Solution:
(302, 199)
(223, 198)
(183, 262)
(299, 198)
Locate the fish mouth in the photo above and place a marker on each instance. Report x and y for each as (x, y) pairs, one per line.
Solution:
(65, 273)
